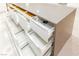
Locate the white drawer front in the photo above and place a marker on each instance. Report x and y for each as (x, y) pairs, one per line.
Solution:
(41, 30)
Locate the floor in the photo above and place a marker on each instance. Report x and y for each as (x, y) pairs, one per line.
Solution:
(70, 48)
(6, 47)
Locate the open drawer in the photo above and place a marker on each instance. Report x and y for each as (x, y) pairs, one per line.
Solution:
(43, 28)
(20, 42)
(23, 22)
(37, 44)
(23, 44)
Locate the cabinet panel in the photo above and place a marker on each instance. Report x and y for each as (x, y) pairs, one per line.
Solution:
(63, 32)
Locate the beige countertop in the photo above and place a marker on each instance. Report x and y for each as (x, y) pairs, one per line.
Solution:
(51, 12)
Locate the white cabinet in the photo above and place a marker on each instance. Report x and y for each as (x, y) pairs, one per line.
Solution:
(38, 35)
(50, 25)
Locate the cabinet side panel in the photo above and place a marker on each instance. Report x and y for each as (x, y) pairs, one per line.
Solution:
(63, 31)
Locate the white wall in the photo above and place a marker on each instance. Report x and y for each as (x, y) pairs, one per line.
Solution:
(2, 7)
(76, 23)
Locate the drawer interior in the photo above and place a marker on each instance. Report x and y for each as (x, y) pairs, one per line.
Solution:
(22, 39)
(38, 42)
(44, 30)
(43, 22)
(36, 39)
